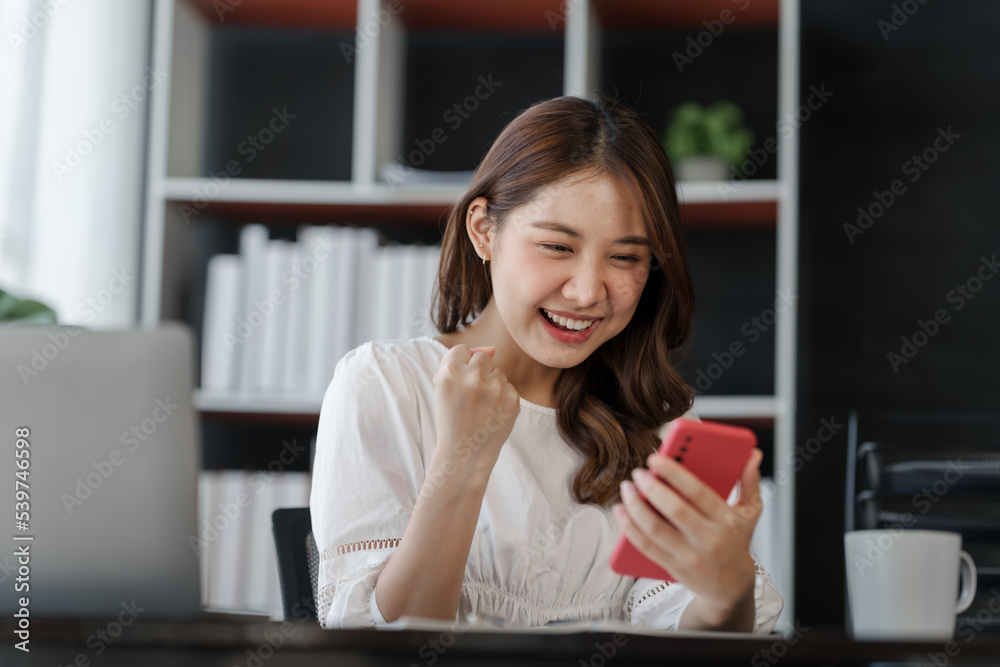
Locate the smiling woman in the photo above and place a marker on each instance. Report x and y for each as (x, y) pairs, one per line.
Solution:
(576, 210)
(441, 463)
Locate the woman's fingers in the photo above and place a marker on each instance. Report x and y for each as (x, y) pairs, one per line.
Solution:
(646, 530)
(681, 517)
(750, 504)
(750, 479)
(462, 356)
(699, 494)
(464, 353)
(699, 539)
(643, 543)
(690, 505)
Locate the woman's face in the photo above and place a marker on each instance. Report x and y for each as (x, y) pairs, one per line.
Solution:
(578, 249)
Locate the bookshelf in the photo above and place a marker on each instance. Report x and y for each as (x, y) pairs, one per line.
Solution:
(360, 108)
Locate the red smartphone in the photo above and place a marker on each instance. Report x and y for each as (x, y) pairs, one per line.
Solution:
(715, 453)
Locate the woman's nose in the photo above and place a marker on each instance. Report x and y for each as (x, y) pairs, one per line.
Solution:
(586, 286)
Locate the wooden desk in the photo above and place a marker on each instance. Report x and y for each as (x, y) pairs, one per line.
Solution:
(86, 643)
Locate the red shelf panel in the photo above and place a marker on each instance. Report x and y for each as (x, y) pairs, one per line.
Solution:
(756, 214)
(521, 15)
(665, 14)
(330, 14)
(751, 214)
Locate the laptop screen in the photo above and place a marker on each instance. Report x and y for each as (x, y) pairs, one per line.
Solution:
(99, 457)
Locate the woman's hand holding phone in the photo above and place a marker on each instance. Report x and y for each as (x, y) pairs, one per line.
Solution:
(702, 541)
(472, 398)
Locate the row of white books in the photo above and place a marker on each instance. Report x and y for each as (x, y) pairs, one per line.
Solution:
(235, 542)
(281, 314)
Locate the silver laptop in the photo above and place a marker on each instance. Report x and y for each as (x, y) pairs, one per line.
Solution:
(110, 472)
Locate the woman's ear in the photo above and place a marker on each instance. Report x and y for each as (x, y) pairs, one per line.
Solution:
(479, 227)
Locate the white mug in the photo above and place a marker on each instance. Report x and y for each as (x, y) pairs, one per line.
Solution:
(903, 584)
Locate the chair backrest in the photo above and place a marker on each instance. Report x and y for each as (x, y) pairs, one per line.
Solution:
(901, 463)
(298, 562)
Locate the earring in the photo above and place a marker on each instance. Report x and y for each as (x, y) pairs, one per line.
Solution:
(484, 256)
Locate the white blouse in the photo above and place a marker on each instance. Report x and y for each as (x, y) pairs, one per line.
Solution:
(537, 555)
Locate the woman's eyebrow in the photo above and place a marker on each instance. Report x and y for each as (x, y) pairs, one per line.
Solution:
(558, 226)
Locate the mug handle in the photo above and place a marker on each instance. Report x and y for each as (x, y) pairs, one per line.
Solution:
(968, 575)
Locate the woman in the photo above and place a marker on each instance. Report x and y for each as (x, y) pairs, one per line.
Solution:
(475, 472)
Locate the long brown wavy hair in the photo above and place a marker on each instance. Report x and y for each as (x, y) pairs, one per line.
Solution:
(611, 405)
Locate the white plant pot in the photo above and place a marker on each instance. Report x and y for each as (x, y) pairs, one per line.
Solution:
(702, 168)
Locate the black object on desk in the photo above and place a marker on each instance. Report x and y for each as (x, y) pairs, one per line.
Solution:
(218, 643)
(298, 562)
(926, 471)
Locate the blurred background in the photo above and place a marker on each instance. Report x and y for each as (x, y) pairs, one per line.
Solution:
(183, 159)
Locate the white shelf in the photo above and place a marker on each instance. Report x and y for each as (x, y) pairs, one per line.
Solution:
(268, 191)
(277, 403)
(736, 407)
(730, 192)
(274, 191)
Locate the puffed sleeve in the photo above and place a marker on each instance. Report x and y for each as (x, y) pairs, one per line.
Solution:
(656, 604)
(367, 471)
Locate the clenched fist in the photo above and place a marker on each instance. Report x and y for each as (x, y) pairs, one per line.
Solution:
(474, 411)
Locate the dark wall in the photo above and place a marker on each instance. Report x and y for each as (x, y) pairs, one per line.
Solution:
(895, 92)
(298, 79)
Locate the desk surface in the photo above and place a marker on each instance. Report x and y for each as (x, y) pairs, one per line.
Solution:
(86, 642)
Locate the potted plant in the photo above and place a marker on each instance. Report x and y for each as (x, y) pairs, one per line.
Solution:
(14, 311)
(703, 143)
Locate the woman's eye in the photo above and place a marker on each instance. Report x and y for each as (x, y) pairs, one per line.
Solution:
(563, 249)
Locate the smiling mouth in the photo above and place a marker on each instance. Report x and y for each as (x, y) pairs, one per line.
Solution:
(564, 328)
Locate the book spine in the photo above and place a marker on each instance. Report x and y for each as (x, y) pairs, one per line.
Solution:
(347, 295)
(220, 344)
(261, 567)
(323, 243)
(367, 277)
(275, 328)
(298, 280)
(253, 251)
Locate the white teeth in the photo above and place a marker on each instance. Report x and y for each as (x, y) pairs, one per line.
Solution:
(568, 323)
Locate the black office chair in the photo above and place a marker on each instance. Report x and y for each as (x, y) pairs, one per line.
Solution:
(298, 562)
(905, 464)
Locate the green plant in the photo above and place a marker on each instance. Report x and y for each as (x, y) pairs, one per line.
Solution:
(716, 130)
(24, 311)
